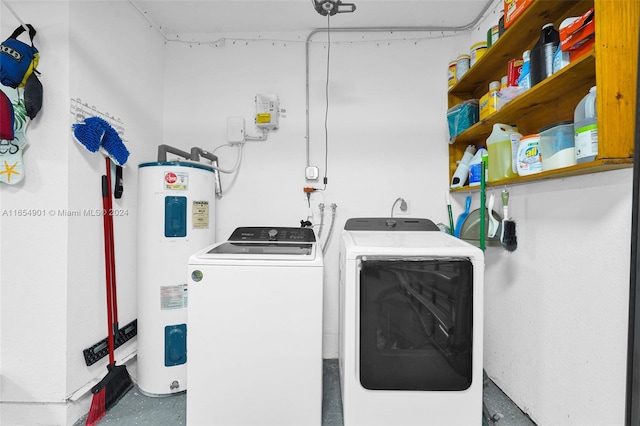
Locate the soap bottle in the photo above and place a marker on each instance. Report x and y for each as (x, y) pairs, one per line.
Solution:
(541, 56)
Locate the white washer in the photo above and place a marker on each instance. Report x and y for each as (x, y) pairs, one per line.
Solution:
(255, 330)
(411, 311)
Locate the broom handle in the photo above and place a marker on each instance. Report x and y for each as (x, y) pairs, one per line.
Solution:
(107, 267)
(109, 214)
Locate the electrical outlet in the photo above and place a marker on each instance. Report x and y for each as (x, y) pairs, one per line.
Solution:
(400, 212)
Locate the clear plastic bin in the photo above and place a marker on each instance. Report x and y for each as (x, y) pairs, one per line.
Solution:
(557, 146)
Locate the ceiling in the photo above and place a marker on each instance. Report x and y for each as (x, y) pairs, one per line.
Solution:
(229, 16)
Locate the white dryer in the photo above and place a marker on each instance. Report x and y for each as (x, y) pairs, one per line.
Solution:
(411, 311)
(255, 330)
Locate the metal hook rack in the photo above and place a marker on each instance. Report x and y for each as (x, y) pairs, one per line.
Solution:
(82, 110)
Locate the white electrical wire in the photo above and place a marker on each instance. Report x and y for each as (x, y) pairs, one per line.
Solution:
(238, 160)
(333, 218)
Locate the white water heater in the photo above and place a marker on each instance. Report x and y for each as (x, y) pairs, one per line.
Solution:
(176, 204)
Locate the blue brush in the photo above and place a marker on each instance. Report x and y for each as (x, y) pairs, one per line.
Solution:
(114, 147)
(89, 134)
(95, 133)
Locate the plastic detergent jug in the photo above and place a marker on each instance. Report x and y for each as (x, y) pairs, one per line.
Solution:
(541, 56)
(475, 169)
(529, 160)
(500, 153)
(585, 125)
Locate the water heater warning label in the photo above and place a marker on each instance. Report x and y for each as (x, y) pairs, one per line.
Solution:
(200, 215)
(173, 297)
(176, 181)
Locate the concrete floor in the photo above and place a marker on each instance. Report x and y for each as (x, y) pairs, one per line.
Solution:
(137, 409)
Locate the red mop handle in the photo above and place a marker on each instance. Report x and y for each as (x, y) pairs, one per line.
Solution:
(107, 267)
(109, 214)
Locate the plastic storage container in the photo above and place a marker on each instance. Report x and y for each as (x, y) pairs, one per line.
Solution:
(462, 66)
(477, 51)
(500, 153)
(489, 101)
(541, 56)
(462, 116)
(585, 124)
(556, 146)
(451, 74)
(529, 161)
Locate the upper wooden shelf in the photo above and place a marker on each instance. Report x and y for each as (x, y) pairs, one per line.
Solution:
(522, 35)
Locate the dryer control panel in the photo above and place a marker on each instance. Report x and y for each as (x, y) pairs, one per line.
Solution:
(274, 233)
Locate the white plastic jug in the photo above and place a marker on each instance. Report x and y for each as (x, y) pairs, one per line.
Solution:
(475, 170)
(500, 153)
(585, 125)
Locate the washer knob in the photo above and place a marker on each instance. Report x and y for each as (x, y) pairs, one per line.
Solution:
(273, 233)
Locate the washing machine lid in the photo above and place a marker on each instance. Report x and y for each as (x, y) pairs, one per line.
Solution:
(255, 248)
(265, 243)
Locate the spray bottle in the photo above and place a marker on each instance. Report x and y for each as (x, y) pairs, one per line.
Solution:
(462, 172)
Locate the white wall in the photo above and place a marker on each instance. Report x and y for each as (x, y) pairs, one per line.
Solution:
(386, 129)
(33, 273)
(52, 276)
(556, 309)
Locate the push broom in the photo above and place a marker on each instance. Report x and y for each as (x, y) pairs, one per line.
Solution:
(117, 382)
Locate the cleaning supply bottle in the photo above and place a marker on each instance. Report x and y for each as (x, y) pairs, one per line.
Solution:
(515, 137)
(500, 153)
(585, 125)
(475, 171)
(524, 80)
(541, 56)
(462, 172)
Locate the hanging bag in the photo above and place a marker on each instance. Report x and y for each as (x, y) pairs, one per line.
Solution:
(33, 95)
(17, 59)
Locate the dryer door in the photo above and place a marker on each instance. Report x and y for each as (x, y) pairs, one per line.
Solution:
(416, 323)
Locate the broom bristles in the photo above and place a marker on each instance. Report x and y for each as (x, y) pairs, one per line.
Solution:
(108, 392)
(509, 239)
(97, 410)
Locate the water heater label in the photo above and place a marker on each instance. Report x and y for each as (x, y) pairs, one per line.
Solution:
(176, 181)
(173, 297)
(200, 215)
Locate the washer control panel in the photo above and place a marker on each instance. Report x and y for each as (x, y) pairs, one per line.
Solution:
(279, 234)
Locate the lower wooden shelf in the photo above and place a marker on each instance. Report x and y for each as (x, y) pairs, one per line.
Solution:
(601, 165)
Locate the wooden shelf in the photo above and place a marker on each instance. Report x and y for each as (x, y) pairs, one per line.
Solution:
(548, 102)
(579, 169)
(521, 36)
(611, 66)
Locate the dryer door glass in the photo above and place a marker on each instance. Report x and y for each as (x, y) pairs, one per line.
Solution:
(416, 323)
